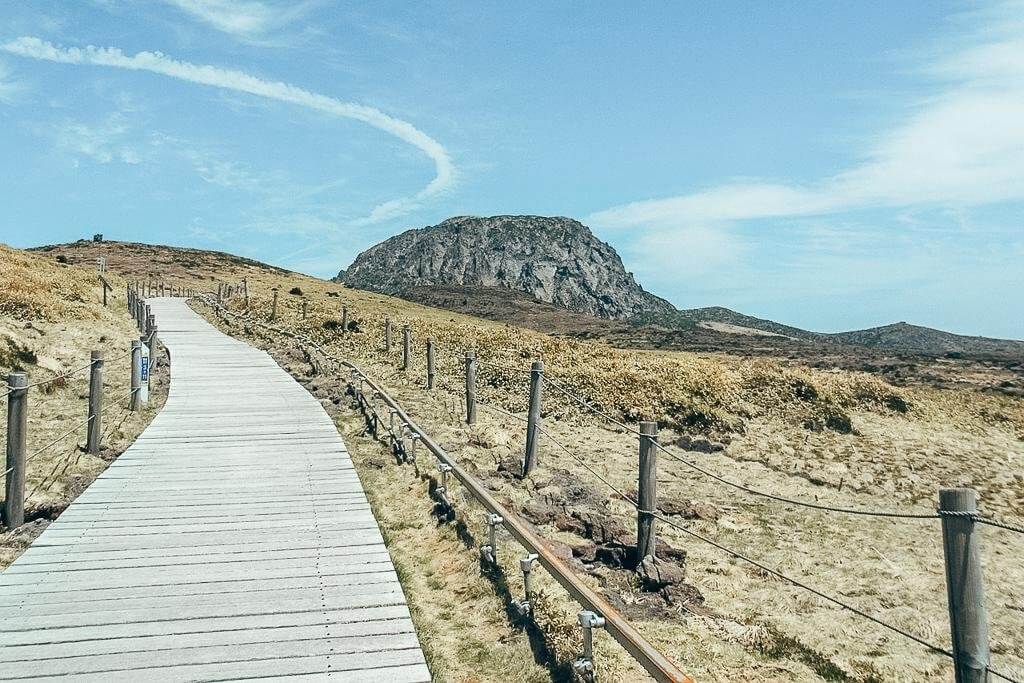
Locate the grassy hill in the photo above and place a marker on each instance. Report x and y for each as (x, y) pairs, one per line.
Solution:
(832, 436)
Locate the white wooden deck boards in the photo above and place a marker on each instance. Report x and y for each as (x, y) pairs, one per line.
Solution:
(232, 541)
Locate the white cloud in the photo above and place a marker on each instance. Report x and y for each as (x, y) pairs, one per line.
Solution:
(228, 79)
(9, 88)
(242, 18)
(104, 142)
(964, 145)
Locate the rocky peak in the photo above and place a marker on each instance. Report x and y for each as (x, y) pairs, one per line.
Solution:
(554, 259)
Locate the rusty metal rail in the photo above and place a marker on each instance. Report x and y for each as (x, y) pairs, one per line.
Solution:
(660, 667)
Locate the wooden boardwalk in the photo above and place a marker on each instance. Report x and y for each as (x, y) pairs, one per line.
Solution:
(232, 541)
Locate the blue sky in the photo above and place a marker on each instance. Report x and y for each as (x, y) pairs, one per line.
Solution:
(827, 165)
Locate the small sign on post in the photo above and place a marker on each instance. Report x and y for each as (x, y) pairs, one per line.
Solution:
(144, 376)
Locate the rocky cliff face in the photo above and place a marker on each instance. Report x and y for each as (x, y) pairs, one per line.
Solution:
(556, 260)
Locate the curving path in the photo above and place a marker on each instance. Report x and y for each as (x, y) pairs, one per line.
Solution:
(232, 541)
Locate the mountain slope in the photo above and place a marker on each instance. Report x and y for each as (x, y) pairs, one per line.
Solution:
(904, 336)
(555, 260)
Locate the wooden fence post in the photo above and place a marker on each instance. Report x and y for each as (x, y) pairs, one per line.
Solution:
(94, 429)
(135, 404)
(968, 622)
(430, 364)
(387, 335)
(406, 348)
(533, 416)
(647, 491)
(273, 310)
(245, 290)
(151, 343)
(17, 426)
(305, 308)
(470, 388)
(344, 319)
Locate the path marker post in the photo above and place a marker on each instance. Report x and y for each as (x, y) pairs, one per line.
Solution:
(387, 335)
(17, 428)
(135, 403)
(344, 319)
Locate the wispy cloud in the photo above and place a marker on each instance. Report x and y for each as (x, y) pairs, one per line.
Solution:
(105, 142)
(962, 145)
(229, 79)
(241, 18)
(9, 88)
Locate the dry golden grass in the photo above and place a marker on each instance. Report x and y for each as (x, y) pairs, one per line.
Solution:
(904, 444)
(51, 317)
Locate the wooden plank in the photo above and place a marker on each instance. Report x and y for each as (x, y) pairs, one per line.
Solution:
(233, 540)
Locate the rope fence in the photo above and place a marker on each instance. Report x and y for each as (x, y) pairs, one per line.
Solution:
(140, 357)
(957, 511)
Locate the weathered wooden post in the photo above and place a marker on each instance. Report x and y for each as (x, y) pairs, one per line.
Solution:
(647, 491)
(94, 428)
(245, 290)
(135, 404)
(533, 416)
(220, 293)
(406, 348)
(17, 428)
(273, 309)
(344, 319)
(305, 308)
(151, 343)
(430, 364)
(968, 622)
(470, 387)
(387, 335)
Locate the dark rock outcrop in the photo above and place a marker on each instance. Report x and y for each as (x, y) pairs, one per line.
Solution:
(555, 260)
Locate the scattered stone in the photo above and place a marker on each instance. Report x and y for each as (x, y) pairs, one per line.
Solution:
(698, 444)
(562, 551)
(585, 552)
(375, 463)
(656, 574)
(690, 509)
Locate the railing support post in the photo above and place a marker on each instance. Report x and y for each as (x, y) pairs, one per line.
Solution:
(470, 388)
(533, 417)
(245, 289)
(968, 622)
(94, 428)
(135, 402)
(430, 364)
(17, 426)
(387, 335)
(647, 491)
(344, 319)
(273, 309)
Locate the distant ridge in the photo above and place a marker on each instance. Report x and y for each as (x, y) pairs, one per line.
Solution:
(904, 336)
